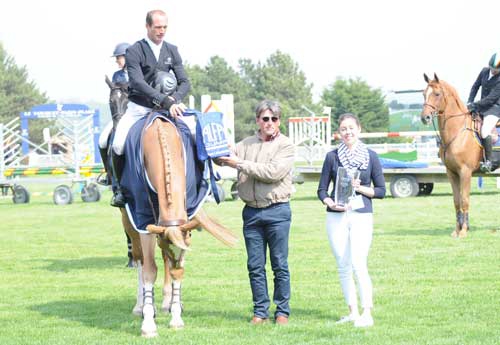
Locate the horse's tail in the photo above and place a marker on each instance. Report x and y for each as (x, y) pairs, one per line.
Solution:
(217, 230)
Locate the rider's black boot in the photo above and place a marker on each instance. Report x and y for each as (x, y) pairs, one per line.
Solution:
(118, 162)
(104, 178)
(486, 166)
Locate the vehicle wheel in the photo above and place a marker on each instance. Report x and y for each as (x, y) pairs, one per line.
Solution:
(403, 186)
(425, 188)
(20, 195)
(91, 193)
(63, 195)
(234, 191)
(298, 179)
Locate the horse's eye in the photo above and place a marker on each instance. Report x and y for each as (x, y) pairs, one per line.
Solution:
(437, 94)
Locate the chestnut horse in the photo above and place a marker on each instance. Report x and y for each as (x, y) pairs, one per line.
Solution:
(459, 149)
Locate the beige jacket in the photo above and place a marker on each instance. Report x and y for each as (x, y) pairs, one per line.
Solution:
(265, 175)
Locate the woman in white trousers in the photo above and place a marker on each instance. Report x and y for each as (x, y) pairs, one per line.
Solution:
(350, 226)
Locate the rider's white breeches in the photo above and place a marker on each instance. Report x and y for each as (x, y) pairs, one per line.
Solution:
(103, 137)
(489, 122)
(132, 115)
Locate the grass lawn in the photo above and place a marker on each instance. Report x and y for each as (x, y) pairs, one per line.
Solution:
(63, 278)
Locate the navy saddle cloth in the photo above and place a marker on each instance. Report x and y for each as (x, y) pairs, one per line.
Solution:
(140, 193)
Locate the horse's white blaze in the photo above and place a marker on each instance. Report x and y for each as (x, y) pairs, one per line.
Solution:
(428, 93)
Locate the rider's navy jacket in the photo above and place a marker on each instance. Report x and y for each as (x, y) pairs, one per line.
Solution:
(490, 93)
(142, 67)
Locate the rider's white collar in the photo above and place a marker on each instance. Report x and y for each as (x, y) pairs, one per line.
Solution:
(156, 48)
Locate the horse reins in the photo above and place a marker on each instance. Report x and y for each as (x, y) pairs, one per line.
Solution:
(435, 114)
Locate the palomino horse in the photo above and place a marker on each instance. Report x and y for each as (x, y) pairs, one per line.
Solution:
(164, 163)
(458, 149)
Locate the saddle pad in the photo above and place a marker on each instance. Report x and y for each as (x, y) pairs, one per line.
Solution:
(211, 136)
(142, 199)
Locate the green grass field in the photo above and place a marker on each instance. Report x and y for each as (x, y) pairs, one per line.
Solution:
(63, 278)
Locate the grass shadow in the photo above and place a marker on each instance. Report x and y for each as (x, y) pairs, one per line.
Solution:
(66, 265)
(438, 231)
(115, 313)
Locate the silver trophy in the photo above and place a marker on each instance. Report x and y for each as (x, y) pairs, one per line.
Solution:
(343, 186)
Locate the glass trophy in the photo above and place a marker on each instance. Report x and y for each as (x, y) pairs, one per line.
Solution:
(343, 186)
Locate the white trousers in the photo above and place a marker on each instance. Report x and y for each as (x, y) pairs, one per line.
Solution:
(489, 122)
(350, 236)
(103, 137)
(132, 115)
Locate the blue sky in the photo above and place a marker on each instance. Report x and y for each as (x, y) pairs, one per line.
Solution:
(66, 44)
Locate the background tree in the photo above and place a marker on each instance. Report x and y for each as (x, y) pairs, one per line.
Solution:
(357, 97)
(218, 78)
(279, 78)
(18, 93)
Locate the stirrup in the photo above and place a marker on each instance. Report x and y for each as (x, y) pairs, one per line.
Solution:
(103, 179)
(485, 167)
(118, 199)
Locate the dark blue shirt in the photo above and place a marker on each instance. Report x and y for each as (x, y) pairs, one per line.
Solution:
(120, 77)
(373, 173)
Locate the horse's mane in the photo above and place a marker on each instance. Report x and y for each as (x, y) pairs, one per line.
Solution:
(452, 92)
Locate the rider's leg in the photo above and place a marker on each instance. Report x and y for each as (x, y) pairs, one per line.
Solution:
(489, 123)
(132, 115)
(118, 162)
(103, 150)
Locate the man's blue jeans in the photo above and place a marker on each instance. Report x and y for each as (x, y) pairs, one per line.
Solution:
(263, 227)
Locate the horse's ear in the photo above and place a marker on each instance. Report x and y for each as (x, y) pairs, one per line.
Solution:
(426, 78)
(109, 82)
(436, 77)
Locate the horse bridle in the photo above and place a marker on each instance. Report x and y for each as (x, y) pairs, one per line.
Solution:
(436, 113)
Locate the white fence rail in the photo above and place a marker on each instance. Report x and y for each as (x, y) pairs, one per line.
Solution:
(426, 151)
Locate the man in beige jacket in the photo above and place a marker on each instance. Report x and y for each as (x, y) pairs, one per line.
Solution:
(264, 162)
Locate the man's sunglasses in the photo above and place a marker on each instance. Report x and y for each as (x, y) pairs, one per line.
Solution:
(267, 118)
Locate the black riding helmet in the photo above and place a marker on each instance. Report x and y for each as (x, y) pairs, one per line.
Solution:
(165, 82)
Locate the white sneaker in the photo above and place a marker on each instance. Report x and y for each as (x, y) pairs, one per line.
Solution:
(364, 321)
(347, 318)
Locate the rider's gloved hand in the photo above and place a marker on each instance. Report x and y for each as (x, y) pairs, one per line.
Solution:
(472, 107)
(167, 102)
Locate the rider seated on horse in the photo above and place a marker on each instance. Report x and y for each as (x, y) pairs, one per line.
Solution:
(119, 79)
(489, 105)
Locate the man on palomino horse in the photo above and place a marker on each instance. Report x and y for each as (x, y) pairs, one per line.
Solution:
(148, 62)
(489, 106)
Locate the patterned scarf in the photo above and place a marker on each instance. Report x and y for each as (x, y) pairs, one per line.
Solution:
(356, 159)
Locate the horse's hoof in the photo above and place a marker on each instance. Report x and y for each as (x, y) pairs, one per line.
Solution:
(137, 311)
(149, 329)
(165, 309)
(462, 234)
(145, 334)
(176, 325)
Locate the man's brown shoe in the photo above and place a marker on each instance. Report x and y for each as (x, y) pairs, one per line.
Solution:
(281, 320)
(258, 320)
